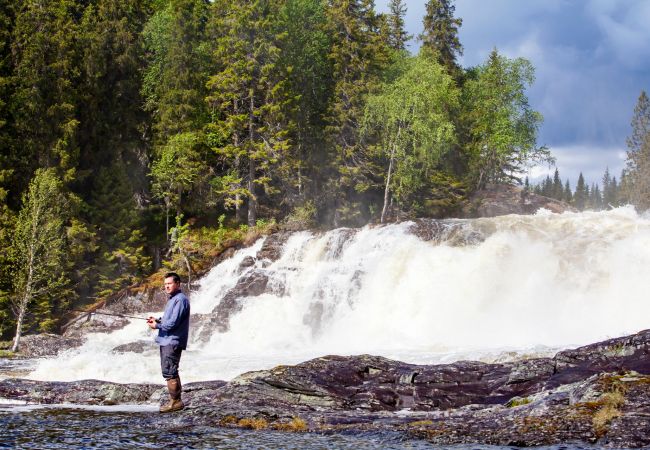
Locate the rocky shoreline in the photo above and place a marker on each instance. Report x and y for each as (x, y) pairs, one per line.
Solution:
(597, 394)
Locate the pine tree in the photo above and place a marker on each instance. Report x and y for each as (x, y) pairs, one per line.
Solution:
(440, 34)
(174, 89)
(624, 194)
(613, 194)
(595, 201)
(609, 190)
(7, 224)
(40, 251)
(638, 155)
(547, 187)
(113, 60)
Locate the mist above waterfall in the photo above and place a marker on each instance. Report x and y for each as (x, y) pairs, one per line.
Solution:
(480, 288)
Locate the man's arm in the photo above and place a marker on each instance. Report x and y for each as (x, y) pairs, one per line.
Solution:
(178, 313)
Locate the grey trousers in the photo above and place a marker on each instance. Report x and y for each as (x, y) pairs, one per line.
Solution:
(170, 357)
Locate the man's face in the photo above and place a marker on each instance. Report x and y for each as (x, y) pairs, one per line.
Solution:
(171, 285)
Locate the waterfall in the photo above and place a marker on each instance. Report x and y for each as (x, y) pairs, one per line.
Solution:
(422, 292)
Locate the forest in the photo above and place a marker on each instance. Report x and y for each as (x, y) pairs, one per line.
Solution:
(137, 133)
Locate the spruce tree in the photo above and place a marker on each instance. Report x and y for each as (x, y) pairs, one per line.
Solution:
(250, 98)
(638, 154)
(177, 68)
(304, 59)
(46, 48)
(398, 37)
(557, 190)
(358, 55)
(567, 195)
(7, 221)
(174, 89)
(440, 34)
(7, 144)
(580, 195)
(113, 60)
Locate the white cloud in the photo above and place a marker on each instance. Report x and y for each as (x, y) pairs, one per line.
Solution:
(575, 159)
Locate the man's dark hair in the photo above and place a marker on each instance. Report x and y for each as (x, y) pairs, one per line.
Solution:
(174, 275)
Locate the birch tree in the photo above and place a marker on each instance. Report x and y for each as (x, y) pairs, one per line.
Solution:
(410, 116)
(40, 247)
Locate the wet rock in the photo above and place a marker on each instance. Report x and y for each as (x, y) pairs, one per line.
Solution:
(338, 241)
(586, 395)
(134, 347)
(273, 245)
(94, 323)
(252, 284)
(247, 262)
(452, 232)
(46, 344)
(499, 200)
(85, 392)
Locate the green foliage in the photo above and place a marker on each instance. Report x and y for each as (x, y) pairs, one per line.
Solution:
(174, 80)
(39, 248)
(142, 113)
(249, 95)
(580, 197)
(45, 44)
(410, 117)
(358, 55)
(176, 171)
(503, 127)
(7, 225)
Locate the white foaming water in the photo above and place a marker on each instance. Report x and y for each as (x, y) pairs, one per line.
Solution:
(534, 285)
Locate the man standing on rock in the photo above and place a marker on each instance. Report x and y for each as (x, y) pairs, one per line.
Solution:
(173, 329)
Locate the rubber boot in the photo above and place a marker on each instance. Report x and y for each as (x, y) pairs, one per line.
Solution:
(175, 402)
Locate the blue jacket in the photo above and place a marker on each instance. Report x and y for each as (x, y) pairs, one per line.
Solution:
(174, 326)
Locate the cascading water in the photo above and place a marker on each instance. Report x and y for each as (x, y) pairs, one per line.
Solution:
(480, 288)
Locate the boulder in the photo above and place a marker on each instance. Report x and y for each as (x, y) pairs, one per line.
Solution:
(499, 200)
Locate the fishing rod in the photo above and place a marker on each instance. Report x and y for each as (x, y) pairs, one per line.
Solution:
(113, 314)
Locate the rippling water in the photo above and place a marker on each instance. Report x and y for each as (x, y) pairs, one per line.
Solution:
(109, 428)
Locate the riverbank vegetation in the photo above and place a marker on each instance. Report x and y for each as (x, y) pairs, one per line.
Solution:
(135, 134)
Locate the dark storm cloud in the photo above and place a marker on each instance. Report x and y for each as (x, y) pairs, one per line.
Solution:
(592, 59)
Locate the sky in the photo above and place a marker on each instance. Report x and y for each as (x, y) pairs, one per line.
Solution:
(591, 59)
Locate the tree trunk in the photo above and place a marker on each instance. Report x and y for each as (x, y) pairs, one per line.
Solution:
(238, 200)
(388, 177)
(19, 325)
(387, 189)
(252, 200)
(27, 295)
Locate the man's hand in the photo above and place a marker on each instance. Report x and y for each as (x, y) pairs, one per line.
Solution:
(151, 321)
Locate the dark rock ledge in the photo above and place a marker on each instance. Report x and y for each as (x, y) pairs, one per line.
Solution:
(597, 394)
